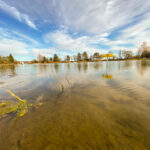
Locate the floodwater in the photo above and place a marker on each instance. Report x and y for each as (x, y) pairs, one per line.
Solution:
(82, 106)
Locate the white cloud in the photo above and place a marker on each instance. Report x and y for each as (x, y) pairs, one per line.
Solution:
(48, 52)
(64, 41)
(133, 35)
(25, 37)
(92, 16)
(13, 34)
(17, 48)
(94, 19)
(15, 42)
(139, 32)
(18, 15)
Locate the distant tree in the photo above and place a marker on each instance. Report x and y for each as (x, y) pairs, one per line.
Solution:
(139, 53)
(85, 55)
(34, 61)
(127, 54)
(44, 59)
(67, 58)
(1, 59)
(7, 59)
(91, 58)
(56, 58)
(120, 54)
(96, 56)
(144, 50)
(79, 57)
(11, 58)
(50, 59)
(40, 58)
(75, 58)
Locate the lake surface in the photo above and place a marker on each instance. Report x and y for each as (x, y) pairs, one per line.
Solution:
(78, 106)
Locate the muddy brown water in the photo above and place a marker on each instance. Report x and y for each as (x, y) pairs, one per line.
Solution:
(86, 106)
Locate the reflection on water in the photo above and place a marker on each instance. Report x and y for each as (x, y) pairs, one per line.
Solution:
(97, 65)
(83, 108)
(107, 76)
(7, 70)
(125, 65)
(142, 66)
(79, 66)
(85, 66)
(56, 67)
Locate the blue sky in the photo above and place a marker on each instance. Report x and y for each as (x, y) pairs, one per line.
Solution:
(29, 28)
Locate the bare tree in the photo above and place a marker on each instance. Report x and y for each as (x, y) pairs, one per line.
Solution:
(120, 54)
(40, 57)
(127, 54)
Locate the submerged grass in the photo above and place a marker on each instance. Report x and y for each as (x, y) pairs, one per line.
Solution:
(20, 108)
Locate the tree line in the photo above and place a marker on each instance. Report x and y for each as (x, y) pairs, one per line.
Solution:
(79, 57)
(143, 52)
(7, 59)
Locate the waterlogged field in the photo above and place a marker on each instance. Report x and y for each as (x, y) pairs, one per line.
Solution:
(76, 106)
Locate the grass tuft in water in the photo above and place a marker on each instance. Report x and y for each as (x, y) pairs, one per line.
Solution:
(20, 108)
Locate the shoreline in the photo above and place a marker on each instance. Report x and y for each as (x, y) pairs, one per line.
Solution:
(18, 63)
